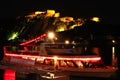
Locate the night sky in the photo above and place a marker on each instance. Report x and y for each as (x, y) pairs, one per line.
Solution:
(108, 10)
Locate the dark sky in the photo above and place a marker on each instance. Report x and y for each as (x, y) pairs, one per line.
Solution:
(108, 10)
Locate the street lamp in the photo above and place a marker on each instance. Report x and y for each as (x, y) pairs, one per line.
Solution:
(51, 36)
(67, 42)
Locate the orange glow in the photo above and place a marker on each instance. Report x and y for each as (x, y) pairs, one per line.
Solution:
(66, 19)
(57, 15)
(55, 57)
(39, 12)
(51, 35)
(50, 13)
(31, 58)
(96, 19)
(56, 64)
(67, 42)
(96, 50)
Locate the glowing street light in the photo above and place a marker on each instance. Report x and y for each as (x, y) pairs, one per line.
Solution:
(67, 42)
(51, 35)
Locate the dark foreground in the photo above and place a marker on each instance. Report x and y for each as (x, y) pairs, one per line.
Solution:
(12, 75)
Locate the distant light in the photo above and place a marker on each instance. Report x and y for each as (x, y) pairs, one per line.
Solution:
(55, 57)
(57, 15)
(51, 35)
(39, 12)
(56, 38)
(113, 41)
(50, 13)
(67, 42)
(96, 19)
(13, 36)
